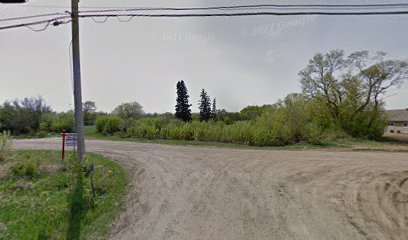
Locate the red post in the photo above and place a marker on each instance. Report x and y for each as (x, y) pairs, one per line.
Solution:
(63, 145)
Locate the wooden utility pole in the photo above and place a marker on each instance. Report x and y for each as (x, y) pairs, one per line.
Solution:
(79, 120)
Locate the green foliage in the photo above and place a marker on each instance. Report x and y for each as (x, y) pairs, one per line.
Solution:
(214, 109)
(89, 109)
(288, 122)
(112, 125)
(230, 117)
(26, 169)
(108, 124)
(205, 106)
(183, 111)
(341, 96)
(5, 144)
(146, 128)
(127, 111)
(22, 117)
(253, 112)
(57, 201)
(348, 91)
(79, 201)
(57, 122)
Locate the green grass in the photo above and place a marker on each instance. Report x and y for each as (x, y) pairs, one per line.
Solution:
(90, 133)
(385, 143)
(35, 193)
(36, 135)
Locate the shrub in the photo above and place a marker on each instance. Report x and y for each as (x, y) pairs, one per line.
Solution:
(112, 125)
(145, 128)
(24, 116)
(239, 132)
(5, 143)
(63, 121)
(167, 131)
(100, 123)
(58, 122)
(292, 120)
(108, 124)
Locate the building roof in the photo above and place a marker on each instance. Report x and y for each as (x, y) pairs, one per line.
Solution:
(398, 115)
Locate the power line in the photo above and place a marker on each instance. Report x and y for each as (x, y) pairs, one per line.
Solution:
(171, 15)
(235, 14)
(56, 21)
(103, 21)
(233, 7)
(39, 30)
(31, 16)
(243, 6)
(257, 6)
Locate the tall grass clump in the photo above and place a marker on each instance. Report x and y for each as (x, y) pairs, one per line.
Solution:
(5, 145)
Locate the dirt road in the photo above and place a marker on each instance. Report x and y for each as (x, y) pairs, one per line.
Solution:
(185, 192)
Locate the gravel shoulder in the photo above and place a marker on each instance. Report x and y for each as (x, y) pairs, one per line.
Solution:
(186, 192)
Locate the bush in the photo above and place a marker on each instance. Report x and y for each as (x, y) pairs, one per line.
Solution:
(108, 124)
(278, 126)
(293, 120)
(145, 128)
(54, 122)
(5, 143)
(100, 123)
(22, 117)
(64, 121)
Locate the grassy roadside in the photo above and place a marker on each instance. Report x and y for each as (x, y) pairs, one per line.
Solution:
(35, 193)
(36, 135)
(90, 133)
(390, 142)
(387, 143)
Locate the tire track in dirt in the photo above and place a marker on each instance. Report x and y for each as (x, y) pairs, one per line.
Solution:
(185, 192)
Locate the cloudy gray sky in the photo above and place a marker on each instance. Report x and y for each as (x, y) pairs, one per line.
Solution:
(240, 61)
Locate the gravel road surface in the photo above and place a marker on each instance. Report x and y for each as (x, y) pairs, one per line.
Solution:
(186, 192)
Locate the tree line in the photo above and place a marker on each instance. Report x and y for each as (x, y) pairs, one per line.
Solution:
(183, 112)
(342, 95)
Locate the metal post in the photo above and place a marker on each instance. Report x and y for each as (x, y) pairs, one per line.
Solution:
(79, 121)
(63, 145)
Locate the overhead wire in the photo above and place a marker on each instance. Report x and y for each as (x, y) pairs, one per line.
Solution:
(171, 15)
(125, 21)
(232, 7)
(280, 10)
(47, 22)
(31, 16)
(39, 30)
(103, 21)
(269, 5)
(256, 7)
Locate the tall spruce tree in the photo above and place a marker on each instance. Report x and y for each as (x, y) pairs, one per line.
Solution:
(183, 110)
(204, 106)
(214, 109)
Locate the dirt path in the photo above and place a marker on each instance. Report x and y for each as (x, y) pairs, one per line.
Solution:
(185, 192)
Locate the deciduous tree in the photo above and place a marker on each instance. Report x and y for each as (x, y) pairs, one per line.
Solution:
(89, 109)
(351, 88)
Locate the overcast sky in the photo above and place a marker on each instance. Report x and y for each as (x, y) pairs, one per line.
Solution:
(240, 61)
